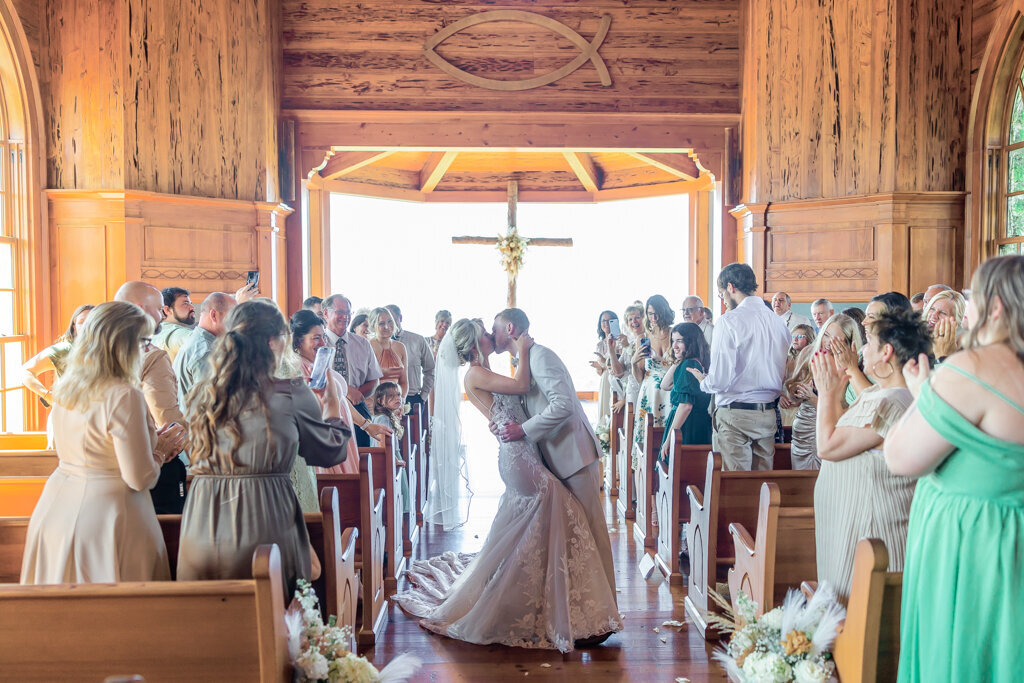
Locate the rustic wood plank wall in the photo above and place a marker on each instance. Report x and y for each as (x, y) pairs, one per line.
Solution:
(680, 56)
(172, 96)
(30, 14)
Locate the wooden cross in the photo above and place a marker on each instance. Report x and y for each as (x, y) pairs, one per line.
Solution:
(512, 245)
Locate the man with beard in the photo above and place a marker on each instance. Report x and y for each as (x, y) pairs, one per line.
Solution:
(748, 365)
(178, 321)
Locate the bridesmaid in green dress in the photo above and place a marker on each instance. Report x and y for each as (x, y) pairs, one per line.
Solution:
(689, 412)
(963, 581)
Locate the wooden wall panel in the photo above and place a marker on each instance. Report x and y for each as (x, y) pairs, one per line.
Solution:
(171, 96)
(30, 14)
(855, 98)
(204, 245)
(680, 56)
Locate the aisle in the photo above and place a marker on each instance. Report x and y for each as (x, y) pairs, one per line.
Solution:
(636, 654)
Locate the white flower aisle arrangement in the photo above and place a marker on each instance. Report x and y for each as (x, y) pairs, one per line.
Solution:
(603, 432)
(320, 652)
(790, 643)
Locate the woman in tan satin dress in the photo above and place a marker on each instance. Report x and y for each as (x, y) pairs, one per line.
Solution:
(390, 354)
(94, 522)
(246, 430)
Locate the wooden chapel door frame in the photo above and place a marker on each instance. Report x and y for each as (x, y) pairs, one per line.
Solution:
(986, 126)
(710, 136)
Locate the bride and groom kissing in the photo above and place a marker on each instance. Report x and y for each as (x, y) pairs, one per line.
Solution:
(544, 576)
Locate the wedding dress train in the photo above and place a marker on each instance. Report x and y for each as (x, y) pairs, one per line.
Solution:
(538, 581)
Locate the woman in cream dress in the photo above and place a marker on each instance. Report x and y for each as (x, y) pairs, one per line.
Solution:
(94, 522)
(855, 495)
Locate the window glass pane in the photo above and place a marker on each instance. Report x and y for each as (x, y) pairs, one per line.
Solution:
(1017, 119)
(14, 411)
(7, 312)
(13, 360)
(1014, 217)
(7, 260)
(1008, 249)
(1015, 174)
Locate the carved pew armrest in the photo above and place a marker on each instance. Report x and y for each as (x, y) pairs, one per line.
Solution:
(743, 541)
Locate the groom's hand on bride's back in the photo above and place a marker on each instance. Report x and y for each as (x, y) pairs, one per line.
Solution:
(513, 431)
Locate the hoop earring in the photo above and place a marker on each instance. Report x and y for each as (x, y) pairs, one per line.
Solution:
(874, 370)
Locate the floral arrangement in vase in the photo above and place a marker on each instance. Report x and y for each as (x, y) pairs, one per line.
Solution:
(320, 652)
(792, 642)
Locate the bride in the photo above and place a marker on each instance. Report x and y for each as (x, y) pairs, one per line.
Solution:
(538, 581)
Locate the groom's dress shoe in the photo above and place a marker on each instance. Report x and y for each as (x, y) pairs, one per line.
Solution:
(592, 641)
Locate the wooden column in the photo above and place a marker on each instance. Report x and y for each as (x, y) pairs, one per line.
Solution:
(701, 243)
(319, 255)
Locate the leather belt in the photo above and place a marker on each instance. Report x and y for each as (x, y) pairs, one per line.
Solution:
(737, 405)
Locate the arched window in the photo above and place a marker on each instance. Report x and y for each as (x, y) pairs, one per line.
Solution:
(14, 330)
(1009, 229)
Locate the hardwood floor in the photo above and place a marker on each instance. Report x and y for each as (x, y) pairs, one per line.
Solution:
(636, 654)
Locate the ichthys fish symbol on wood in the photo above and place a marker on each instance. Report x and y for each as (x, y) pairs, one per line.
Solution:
(588, 50)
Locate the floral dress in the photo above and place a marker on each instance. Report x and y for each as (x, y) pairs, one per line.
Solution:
(653, 400)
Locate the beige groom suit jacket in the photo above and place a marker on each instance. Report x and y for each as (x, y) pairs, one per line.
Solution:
(557, 423)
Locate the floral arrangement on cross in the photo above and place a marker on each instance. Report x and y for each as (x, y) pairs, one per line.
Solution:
(604, 435)
(320, 652)
(512, 247)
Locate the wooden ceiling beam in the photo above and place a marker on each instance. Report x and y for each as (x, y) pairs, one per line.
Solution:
(338, 164)
(679, 165)
(582, 164)
(435, 168)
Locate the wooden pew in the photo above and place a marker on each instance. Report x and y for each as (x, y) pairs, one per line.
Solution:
(611, 470)
(410, 453)
(363, 506)
(647, 459)
(25, 441)
(729, 497)
(13, 532)
(163, 630)
(624, 465)
(868, 648)
(418, 420)
(394, 545)
(19, 495)
(686, 465)
(28, 463)
(781, 556)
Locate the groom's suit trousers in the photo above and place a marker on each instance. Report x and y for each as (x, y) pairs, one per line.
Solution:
(586, 486)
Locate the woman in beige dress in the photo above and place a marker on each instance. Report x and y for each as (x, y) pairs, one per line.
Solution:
(94, 522)
(391, 355)
(247, 428)
(856, 496)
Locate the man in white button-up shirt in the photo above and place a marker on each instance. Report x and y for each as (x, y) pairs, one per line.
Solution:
(748, 365)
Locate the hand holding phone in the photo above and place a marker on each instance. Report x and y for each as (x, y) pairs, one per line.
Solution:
(321, 364)
(614, 331)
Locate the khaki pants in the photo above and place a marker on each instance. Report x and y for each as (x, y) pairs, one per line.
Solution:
(586, 486)
(745, 438)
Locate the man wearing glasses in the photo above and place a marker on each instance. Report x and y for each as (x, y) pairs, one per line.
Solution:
(693, 312)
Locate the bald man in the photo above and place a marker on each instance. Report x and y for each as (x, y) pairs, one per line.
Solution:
(160, 387)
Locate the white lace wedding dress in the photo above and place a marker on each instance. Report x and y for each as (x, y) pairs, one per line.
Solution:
(538, 581)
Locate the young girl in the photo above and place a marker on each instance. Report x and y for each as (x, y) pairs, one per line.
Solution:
(388, 410)
(689, 410)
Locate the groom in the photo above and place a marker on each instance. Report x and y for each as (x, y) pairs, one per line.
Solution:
(559, 428)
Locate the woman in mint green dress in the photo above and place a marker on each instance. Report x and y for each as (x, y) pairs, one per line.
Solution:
(963, 578)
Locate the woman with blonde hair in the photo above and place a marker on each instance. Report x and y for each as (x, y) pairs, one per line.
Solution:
(944, 314)
(54, 358)
(247, 428)
(964, 436)
(94, 522)
(622, 364)
(391, 355)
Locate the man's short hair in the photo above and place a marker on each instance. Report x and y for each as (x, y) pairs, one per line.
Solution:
(395, 310)
(917, 298)
(310, 302)
(171, 294)
(700, 302)
(332, 301)
(823, 302)
(517, 317)
(739, 275)
(217, 301)
(789, 300)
